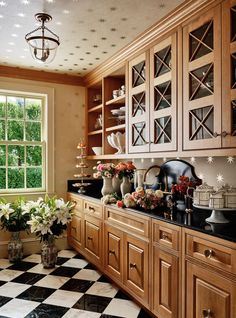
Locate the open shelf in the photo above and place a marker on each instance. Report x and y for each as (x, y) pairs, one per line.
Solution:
(117, 127)
(97, 108)
(95, 132)
(118, 100)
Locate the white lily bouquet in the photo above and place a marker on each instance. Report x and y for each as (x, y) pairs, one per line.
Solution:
(49, 216)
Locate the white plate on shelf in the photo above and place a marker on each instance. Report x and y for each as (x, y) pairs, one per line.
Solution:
(123, 108)
(117, 112)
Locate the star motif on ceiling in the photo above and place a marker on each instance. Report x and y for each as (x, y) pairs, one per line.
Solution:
(164, 159)
(2, 3)
(210, 160)
(230, 159)
(219, 178)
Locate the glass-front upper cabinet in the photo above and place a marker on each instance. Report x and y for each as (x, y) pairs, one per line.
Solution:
(202, 81)
(138, 118)
(229, 73)
(163, 97)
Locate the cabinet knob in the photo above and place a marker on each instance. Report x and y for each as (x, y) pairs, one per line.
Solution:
(164, 236)
(209, 253)
(132, 265)
(223, 134)
(207, 313)
(112, 252)
(90, 238)
(91, 209)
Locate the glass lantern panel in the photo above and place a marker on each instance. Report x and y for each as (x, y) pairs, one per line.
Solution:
(233, 70)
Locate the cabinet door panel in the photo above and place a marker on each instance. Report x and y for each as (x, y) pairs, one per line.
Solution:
(113, 251)
(202, 82)
(136, 266)
(165, 278)
(93, 237)
(229, 73)
(76, 229)
(208, 294)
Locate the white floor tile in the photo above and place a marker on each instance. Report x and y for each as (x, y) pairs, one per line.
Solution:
(38, 269)
(77, 313)
(4, 263)
(8, 274)
(88, 274)
(102, 289)
(11, 289)
(122, 308)
(24, 307)
(67, 253)
(52, 281)
(76, 262)
(63, 298)
(34, 258)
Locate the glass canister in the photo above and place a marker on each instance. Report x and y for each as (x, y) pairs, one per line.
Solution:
(201, 194)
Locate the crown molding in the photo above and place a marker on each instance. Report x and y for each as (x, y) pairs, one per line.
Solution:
(42, 76)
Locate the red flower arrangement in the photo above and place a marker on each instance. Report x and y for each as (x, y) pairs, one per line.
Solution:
(180, 190)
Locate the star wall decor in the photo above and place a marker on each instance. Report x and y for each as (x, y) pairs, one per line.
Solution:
(210, 160)
(164, 159)
(230, 160)
(201, 176)
(219, 178)
(193, 160)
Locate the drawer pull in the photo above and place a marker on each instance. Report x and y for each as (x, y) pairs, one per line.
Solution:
(91, 209)
(164, 237)
(73, 228)
(90, 238)
(209, 253)
(132, 265)
(112, 252)
(207, 313)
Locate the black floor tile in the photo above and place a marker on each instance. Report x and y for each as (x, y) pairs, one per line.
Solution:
(65, 271)
(104, 279)
(78, 256)
(2, 282)
(77, 285)
(28, 278)
(4, 300)
(122, 295)
(22, 266)
(36, 293)
(109, 316)
(47, 311)
(144, 314)
(62, 260)
(92, 303)
(90, 266)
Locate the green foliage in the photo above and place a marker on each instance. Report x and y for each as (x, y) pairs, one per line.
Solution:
(22, 117)
(15, 130)
(16, 178)
(34, 177)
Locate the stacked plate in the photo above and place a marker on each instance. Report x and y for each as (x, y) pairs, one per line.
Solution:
(119, 112)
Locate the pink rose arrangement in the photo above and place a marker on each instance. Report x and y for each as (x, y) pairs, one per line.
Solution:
(104, 170)
(125, 169)
(146, 199)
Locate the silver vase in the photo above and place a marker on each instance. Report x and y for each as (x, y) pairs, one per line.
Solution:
(15, 248)
(49, 252)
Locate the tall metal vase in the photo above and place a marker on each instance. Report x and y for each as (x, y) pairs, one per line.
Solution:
(49, 252)
(15, 248)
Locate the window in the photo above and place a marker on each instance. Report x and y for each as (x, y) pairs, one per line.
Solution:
(22, 143)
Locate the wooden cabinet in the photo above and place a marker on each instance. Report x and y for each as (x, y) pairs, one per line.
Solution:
(163, 95)
(210, 277)
(209, 79)
(127, 251)
(166, 269)
(229, 73)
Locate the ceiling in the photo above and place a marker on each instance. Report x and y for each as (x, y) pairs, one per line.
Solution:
(90, 31)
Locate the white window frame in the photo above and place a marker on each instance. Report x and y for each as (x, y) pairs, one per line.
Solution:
(47, 94)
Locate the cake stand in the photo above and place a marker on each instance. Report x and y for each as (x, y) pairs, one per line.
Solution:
(217, 215)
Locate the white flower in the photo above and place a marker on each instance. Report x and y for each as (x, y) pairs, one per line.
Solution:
(159, 193)
(5, 210)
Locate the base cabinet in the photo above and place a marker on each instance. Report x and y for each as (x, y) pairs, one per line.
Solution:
(208, 294)
(165, 283)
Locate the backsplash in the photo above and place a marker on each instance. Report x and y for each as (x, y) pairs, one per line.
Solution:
(216, 171)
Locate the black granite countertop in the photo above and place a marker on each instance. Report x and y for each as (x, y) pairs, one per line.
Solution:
(195, 220)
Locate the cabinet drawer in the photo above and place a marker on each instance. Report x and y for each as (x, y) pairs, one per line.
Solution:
(134, 222)
(78, 201)
(92, 236)
(215, 254)
(93, 208)
(166, 234)
(76, 228)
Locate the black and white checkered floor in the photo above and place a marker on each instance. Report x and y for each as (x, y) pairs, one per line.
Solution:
(73, 289)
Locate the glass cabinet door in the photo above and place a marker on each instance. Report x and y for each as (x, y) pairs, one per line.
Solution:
(163, 69)
(202, 82)
(138, 125)
(229, 73)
